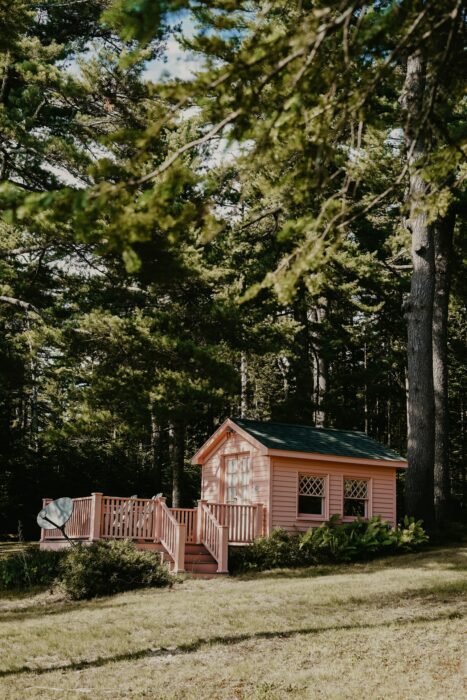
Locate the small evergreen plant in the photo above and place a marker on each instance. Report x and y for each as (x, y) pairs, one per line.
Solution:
(105, 568)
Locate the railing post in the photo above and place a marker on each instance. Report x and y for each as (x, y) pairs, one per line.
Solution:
(45, 501)
(158, 518)
(180, 539)
(223, 563)
(200, 521)
(96, 512)
(259, 520)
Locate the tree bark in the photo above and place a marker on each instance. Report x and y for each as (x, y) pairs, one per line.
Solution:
(443, 235)
(301, 401)
(419, 486)
(243, 385)
(159, 451)
(178, 462)
(321, 368)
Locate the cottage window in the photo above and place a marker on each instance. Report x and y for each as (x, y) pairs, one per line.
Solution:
(356, 498)
(237, 479)
(311, 494)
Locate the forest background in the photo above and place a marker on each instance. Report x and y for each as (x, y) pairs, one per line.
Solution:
(277, 233)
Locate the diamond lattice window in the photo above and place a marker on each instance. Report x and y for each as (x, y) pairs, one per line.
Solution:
(311, 485)
(311, 495)
(355, 488)
(356, 498)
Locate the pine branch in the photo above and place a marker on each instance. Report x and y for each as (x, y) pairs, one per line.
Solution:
(186, 147)
(25, 305)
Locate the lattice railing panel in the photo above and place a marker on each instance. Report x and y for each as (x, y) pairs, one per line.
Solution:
(355, 488)
(311, 485)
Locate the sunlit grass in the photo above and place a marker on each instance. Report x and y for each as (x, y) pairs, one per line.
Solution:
(391, 628)
(7, 548)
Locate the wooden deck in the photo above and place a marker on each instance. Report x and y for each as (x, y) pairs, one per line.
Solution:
(189, 539)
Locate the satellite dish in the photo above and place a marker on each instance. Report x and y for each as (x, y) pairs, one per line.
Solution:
(56, 514)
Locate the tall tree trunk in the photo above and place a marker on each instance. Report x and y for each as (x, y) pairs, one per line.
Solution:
(421, 426)
(301, 402)
(443, 235)
(243, 384)
(463, 458)
(159, 451)
(321, 368)
(365, 388)
(178, 462)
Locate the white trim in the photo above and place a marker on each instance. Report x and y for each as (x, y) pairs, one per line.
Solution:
(368, 500)
(310, 516)
(237, 456)
(206, 449)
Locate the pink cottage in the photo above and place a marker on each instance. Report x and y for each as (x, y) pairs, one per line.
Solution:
(255, 476)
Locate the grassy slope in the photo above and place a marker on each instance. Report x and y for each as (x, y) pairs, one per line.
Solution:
(390, 629)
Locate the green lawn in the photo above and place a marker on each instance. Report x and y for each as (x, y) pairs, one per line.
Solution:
(390, 629)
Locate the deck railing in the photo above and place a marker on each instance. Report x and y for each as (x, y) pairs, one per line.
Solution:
(150, 520)
(79, 525)
(245, 522)
(172, 536)
(215, 538)
(128, 518)
(187, 517)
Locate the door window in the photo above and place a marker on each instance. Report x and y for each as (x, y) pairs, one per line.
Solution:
(238, 476)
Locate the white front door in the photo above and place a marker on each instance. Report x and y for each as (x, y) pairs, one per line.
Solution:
(238, 480)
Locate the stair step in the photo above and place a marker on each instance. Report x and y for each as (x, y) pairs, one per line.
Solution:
(195, 548)
(198, 561)
(202, 558)
(201, 567)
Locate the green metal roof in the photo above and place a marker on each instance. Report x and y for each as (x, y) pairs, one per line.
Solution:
(306, 438)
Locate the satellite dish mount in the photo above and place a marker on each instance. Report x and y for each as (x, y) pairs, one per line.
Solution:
(55, 515)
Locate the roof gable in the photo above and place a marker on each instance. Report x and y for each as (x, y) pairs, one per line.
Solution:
(218, 437)
(325, 441)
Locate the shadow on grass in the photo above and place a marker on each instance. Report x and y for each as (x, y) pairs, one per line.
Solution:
(224, 640)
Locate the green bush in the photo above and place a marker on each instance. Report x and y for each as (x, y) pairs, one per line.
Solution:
(360, 539)
(279, 550)
(411, 536)
(331, 542)
(108, 567)
(29, 568)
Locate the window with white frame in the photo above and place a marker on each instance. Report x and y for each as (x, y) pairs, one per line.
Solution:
(237, 479)
(311, 494)
(356, 498)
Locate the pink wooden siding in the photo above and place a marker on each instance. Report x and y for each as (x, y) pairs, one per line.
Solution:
(285, 482)
(213, 476)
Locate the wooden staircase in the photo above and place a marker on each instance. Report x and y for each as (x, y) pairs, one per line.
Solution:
(198, 561)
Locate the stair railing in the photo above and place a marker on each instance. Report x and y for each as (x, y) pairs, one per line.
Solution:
(172, 535)
(214, 536)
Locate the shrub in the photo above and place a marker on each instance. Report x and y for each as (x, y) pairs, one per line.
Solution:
(279, 550)
(411, 536)
(331, 542)
(107, 567)
(29, 567)
(360, 539)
